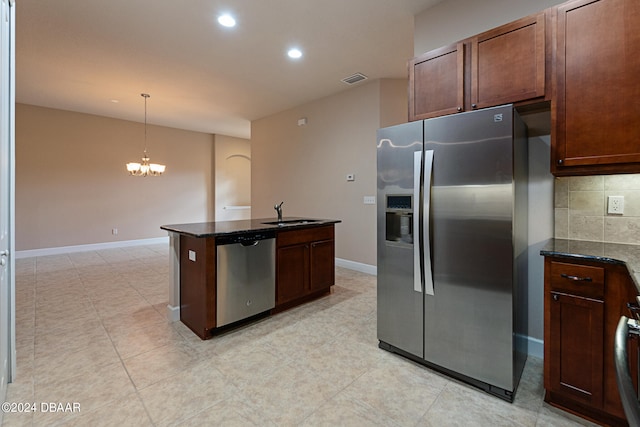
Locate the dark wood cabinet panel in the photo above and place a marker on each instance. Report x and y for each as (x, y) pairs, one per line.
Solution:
(198, 284)
(583, 280)
(436, 83)
(322, 263)
(307, 235)
(292, 272)
(508, 63)
(596, 108)
(575, 347)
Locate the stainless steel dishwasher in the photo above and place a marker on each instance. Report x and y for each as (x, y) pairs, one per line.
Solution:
(245, 276)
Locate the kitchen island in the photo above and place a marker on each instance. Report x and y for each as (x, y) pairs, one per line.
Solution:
(303, 254)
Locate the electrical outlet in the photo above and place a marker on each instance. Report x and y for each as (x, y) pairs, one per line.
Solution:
(615, 205)
(369, 200)
(114, 231)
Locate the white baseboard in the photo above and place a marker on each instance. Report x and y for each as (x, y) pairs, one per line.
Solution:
(90, 247)
(536, 347)
(357, 266)
(173, 313)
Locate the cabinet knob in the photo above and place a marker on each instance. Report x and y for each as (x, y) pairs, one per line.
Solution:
(459, 109)
(560, 161)
(474, 105)
(556, 297)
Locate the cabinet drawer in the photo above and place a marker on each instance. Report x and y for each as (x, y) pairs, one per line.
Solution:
(577, 279)
(293, 237)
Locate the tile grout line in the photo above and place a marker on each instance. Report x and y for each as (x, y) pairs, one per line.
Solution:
(136, 390)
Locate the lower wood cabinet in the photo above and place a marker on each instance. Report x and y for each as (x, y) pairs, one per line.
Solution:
(583, 303)
(305, 264)
(322, 264)
(292, 270)
(575, 347)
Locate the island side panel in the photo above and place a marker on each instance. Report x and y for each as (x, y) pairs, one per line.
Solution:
(197, 284)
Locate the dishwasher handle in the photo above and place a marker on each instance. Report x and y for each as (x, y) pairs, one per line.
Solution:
(254, 243)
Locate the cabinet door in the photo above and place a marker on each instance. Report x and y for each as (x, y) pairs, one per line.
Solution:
(292, 272)
(508, 63)
(596, 119)
(322, 265)
(575, 347)
(436, 82)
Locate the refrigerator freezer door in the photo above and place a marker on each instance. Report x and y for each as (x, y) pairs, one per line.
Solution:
(468, 322)
(400, 308)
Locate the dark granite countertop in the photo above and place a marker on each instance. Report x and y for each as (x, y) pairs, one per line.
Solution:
(220, 228)
(611, 253)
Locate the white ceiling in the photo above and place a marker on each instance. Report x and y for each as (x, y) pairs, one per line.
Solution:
(79, 55)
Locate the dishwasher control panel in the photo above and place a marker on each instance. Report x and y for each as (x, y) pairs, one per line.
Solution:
(245, 238)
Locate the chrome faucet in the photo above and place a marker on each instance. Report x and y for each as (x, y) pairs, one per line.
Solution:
(278, 209)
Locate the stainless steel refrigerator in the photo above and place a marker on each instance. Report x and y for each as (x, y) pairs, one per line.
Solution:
(452, 243)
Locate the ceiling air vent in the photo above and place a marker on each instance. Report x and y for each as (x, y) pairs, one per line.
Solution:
(355, 78)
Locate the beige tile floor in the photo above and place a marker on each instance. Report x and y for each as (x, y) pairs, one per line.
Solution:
(91, 329)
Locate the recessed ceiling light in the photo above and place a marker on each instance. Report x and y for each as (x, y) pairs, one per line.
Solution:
(294, 53)
(115, 101)
(226, 20)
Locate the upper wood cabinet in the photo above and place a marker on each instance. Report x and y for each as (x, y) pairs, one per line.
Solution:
(436, 82)
(508, 63)
(505, 65)
(596, 95)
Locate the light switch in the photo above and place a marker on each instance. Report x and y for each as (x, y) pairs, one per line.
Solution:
(192, 255)
(351, 177)
(369, 200)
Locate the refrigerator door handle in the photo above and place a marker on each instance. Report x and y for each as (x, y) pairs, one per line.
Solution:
(417, 168)
(426, 229)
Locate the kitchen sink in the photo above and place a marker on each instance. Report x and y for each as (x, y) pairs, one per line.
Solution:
(292, 222)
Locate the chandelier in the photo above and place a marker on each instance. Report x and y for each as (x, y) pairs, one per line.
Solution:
(145, 168)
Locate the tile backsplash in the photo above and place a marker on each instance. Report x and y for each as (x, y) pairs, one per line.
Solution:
(581, 208)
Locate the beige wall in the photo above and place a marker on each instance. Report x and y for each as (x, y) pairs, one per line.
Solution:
(394, 103)
(72, 187)
(233, 178)
(306, 166)
(581, 208)
(454, 20)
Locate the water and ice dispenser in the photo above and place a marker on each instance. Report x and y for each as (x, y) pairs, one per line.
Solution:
(399, 211)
